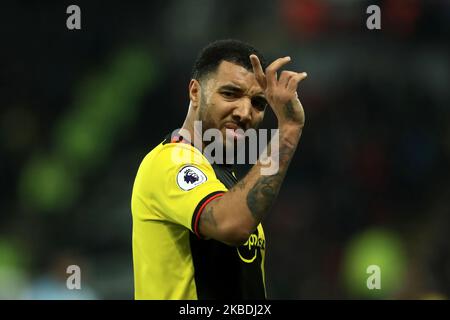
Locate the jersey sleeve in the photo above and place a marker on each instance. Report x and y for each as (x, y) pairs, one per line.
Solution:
(183, 183)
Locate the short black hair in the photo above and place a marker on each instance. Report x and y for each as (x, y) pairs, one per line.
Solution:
(231, 50)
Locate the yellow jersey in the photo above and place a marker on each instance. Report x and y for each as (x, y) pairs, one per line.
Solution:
(173, 184)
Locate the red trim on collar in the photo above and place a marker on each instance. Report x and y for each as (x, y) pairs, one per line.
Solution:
(177, 138)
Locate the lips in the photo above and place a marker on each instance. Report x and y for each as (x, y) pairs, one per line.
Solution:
(233, 127)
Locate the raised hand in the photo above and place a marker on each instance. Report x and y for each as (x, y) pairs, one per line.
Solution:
(281, 94)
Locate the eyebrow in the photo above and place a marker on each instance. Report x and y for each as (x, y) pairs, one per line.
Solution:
(238, 89)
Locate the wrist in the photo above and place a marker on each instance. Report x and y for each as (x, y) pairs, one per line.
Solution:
(290, 134)
(290, 128)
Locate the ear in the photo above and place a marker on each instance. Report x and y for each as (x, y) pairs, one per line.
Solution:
(194, 92)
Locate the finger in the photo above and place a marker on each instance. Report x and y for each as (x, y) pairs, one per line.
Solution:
(258, 71)
(284, 78)
(271, 71)
(294, 81)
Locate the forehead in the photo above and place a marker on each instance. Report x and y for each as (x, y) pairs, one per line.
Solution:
(230, 73)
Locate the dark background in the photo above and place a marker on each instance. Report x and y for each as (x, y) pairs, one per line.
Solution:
(369, 184)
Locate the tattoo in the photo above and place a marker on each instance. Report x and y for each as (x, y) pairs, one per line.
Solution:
(289, 111)
(208, 217)
(261, 196)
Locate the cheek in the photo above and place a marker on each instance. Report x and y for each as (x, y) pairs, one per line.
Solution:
(210, 116)
(219, 110)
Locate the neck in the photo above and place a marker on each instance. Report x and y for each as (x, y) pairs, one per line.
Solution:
(189, 131)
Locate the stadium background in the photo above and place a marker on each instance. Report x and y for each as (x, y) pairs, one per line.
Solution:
(369, 183)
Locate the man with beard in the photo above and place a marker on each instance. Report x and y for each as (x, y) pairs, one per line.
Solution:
(197, 231)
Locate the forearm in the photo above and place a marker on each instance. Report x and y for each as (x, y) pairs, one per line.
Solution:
(234, 216)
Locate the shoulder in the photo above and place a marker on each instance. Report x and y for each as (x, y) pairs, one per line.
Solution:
(167, 155)
(178, 162)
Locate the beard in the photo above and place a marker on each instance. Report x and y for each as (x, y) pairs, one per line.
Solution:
(226, 147)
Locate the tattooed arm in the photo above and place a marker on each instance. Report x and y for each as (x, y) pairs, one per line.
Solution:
(234, 216)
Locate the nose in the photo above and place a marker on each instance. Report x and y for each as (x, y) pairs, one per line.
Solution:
(243, 112)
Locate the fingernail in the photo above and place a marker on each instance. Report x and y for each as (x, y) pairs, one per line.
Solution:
(289, 58)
